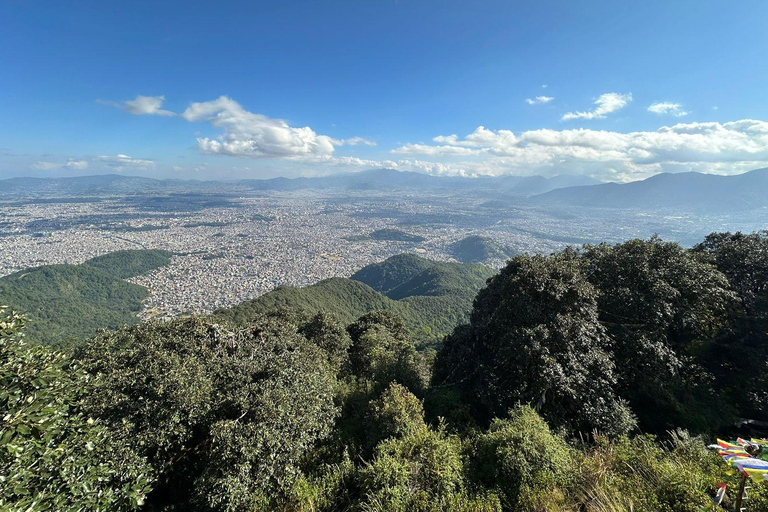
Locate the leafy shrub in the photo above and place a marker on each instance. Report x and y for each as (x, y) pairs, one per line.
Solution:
(521, 459)
(397, 413)
(382, 352)
(645, 474)
(422, 471)
(52, 455)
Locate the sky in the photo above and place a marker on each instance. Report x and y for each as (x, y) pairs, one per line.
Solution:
(615, 90)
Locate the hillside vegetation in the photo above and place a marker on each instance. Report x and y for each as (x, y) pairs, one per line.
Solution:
(431, 297)
(479, 249)
(591, 380)
(130, 263)
(69, 303)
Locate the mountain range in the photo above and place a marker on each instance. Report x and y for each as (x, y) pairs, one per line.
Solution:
(377, 179)
(690, 190)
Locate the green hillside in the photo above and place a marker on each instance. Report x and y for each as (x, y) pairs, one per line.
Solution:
(130, 263)
(70, 302)
(395, 235)
(478, 249)
(407, 275)
(392, 272)
(431, 297)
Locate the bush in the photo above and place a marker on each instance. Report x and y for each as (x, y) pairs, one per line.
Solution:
(422, 471)
(52, 455)
(397, 413)
(523, 461)
(645, 474)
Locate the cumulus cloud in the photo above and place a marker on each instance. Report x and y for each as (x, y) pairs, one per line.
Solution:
(73, 164)
(665, 107)
(725, 148)
(605, 104)
(142, 105)
(250, 135)
(538, 100)
(354, 141)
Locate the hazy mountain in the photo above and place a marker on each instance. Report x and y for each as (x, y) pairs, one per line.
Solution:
(100, 184)
(389, 179)
(689, 190)
(478, 249)
(377, 179)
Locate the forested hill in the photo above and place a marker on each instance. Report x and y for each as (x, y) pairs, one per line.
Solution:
(130, 263)
(432, 297)
(68, 303)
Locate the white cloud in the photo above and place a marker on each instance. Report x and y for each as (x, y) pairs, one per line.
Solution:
(725, 148)
(665, 107)
(354, 141)
(538, 100)
(606, 103)
(125, 162)
(77, 164)
(72, 164)
(254, 135)
(46, 166)
(142, 105)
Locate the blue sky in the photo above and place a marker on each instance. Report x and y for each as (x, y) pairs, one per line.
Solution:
(617, 90)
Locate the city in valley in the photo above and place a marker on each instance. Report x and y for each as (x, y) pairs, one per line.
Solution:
(231, 243)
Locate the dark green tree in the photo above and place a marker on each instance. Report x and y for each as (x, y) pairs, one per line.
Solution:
(739, 361)
(223, 416)
(663, 308)
(383, 351)
(534, 338)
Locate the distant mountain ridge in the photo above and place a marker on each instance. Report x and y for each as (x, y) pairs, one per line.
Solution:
(690, 190)
(376, 179)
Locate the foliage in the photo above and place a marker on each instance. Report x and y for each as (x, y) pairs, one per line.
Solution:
(534, 338)
(130, 263)
(663, 307)
(478, 249)
(223, 416)
(52, 455)
(431, 297)
(396, 413)
(415, 467)
(71, 302)
(523, 461)
(643, 473)
(739, 361)
(383, 352)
